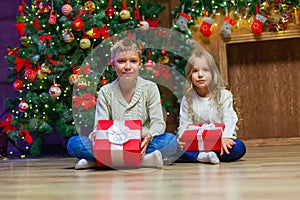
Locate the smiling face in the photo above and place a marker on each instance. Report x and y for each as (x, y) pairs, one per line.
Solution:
(127, 65)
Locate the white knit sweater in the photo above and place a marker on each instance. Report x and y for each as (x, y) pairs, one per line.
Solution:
(205, 111)
(145, 105)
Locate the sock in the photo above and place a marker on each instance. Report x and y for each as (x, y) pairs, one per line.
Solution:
(208, 157)
(153, 159)
(84, 164)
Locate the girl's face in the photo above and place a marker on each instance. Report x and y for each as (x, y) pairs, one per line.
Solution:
(127, 65)
(201, 75)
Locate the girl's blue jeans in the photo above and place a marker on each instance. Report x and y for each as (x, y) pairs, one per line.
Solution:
(81, 147)
(237, 152)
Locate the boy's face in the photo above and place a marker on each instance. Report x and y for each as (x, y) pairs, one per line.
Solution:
(127, 65)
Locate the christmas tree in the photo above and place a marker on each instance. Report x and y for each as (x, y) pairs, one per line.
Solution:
(55, 38)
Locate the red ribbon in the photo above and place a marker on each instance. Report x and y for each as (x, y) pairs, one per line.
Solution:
(21, 8)
(20, 27)
(6, 124)
(12, 52)
(52, 62)
(35, 23)
(137, 13)
(162, 71)
(20, 63)
(26, 135)
(86, 69)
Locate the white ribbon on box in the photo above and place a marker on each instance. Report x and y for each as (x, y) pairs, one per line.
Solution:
(117, 135)
(200, 132)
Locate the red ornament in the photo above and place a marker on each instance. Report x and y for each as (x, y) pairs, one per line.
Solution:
(30, 74)
(103, 82)
(78, 24)
(110, 12)
(23, 106)
(18, 84)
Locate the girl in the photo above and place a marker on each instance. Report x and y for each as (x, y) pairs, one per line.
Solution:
(207, 101)
(129, 97)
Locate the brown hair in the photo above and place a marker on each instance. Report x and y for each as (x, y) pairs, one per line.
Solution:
(126, 44)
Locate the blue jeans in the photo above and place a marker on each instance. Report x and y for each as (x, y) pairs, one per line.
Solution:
(81, 147)
(237, 152)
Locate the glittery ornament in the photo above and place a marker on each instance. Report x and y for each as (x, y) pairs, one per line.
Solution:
(66, 9)
(17, 84)
(54, 91)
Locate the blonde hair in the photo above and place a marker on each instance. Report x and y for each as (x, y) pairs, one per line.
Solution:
(126, 44)
(216, 85)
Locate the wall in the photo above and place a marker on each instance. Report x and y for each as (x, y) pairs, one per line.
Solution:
(8, 36)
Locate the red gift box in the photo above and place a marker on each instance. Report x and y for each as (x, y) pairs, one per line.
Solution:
(203, 137)
(118, 143)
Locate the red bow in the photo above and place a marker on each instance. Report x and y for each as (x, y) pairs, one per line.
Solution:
(45, 8)
(26, 135)
(162, 71)
(87, 101)
(12, 52)
(86, 69)
(100, 31)
(6, 124)
(20, 62)
(42, 38)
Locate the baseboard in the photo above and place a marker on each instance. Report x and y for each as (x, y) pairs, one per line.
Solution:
(272, 141)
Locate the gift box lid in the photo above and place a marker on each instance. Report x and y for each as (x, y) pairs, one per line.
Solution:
(132, 124)
(192, 134)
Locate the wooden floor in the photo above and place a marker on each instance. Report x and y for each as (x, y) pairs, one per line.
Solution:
(271, 172)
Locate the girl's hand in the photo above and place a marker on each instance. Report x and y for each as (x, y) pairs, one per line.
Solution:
(146, 139)
(226, 144)
(181, 144)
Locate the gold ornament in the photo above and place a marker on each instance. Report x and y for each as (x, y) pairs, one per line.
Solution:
(85, 43)
(124, 14)
(89, 5)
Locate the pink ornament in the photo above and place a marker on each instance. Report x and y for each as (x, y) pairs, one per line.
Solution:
(23, 106)
(144, 25)
(66, 9)
(54, 91)
(30, 74)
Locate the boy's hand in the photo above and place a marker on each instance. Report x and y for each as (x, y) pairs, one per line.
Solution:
(181, 144)
(146, 138)
(226, 144)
